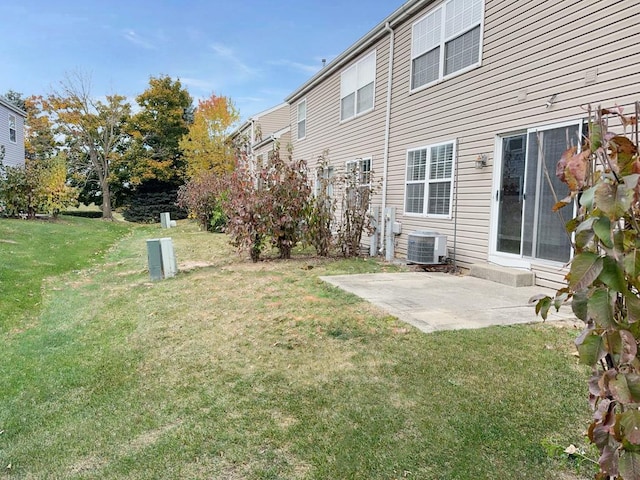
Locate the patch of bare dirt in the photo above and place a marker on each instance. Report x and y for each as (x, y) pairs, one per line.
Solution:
(87, 465)
(150, 437)
(193, 265)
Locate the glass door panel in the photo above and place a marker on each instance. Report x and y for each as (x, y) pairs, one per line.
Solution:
(544, 234)
(510, 196)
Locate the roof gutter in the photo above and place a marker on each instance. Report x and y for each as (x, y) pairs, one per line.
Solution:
(373, 35)
(271, 138)
(12, 107)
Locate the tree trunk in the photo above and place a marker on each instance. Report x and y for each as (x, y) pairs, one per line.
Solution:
(107, 214)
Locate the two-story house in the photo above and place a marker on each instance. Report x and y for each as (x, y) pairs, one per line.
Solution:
(461, 108)
(11, 133)
(262, 132)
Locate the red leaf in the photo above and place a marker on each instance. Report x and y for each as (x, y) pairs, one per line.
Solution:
(575, 169)
(629, 347)
(609, 461)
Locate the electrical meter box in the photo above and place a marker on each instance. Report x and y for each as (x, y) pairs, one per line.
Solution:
(161, 258)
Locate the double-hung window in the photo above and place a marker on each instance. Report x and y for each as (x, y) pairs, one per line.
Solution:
(12, 128)
(358, 179)
(445, 41)
(302, 119)
(357, 85)
(429, 181)
(360, 169)
(324, 181)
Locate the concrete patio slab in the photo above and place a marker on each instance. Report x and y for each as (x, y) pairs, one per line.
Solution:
(434, 301)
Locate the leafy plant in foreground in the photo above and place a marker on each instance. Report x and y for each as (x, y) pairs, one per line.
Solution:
(603, 284)
(322, 208)
(355, 216)
(268, 203)
(203, 196)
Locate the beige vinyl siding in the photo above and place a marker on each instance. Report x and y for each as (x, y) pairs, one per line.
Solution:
(263, 150)
(273, 120)
(283, 141)
(582, 51)
(358, 137)
(541, 47)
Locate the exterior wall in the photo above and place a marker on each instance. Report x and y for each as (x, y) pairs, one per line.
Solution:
(267, 147)
(273, 121)
(362, 136)
(578, 52)
(261, 126)
(14, 151)
(530, 52)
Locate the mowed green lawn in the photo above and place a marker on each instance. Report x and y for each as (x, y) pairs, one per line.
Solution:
(234, 370)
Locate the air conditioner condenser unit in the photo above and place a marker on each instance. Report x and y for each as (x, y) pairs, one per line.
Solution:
(426, 248)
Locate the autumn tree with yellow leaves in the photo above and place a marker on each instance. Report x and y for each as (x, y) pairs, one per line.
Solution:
(205, 146)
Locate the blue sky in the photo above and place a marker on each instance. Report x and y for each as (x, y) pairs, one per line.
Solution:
(256, 52)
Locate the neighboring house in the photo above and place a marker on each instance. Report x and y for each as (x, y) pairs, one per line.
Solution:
(12, 133)
(262, 132)
(458, 105)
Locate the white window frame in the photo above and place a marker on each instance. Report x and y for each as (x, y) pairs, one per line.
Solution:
(365, 174)
(509, 259)
(326, 173)
(357, 70)
(13, 131)
(430, 181)
(445, 12)
(302, 120)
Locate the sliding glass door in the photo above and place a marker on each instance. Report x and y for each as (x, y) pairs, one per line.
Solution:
(527, 189)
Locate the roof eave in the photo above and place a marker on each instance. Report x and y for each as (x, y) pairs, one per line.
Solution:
(356, 48)
(255, 117)
(12, 107)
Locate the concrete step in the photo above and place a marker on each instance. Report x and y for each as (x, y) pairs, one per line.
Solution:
(513, 277)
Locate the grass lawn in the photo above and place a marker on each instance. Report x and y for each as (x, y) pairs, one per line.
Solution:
(31, 251)
(234, 370)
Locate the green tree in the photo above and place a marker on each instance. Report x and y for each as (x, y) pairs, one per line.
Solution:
(93, 132)
(40, 186)
(54, 193)
(155, 157)
(39, 139)
(15, 98)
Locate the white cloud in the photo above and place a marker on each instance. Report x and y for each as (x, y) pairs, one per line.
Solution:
(229, 55)
(137, 40)
(199, 84)
(302, 67)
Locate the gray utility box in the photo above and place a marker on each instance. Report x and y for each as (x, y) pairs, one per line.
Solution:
(162, 260)
(165, 220)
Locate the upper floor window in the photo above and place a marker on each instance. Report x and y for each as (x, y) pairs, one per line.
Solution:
(430, 180)
(12, 128)
(445, 41)
(357, 87)
(302, 119)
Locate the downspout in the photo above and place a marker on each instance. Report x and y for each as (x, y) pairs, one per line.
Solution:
(455, 210)
(387, 130)
(252, 139)
(252, 163)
